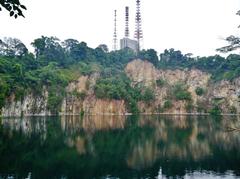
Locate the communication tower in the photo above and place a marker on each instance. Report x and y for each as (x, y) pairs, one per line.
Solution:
(115, 31)
(126, 22)
(138, 31)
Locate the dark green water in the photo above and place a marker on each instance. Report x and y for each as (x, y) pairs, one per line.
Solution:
(119, 147)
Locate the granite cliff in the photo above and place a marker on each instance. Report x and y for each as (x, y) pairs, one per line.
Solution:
(175, 91)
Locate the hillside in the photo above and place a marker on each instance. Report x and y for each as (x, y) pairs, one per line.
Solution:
(71, 78)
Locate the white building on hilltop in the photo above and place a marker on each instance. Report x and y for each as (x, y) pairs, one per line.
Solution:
(129, 43)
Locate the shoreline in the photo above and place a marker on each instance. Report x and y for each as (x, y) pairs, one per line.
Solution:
(126, 114)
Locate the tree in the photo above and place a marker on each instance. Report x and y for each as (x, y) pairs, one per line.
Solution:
(150, 55)
(104, 47)
(12, 47)
(234, 42)
(14, 7)
(76, 51)
(49, 49)
(69, 45)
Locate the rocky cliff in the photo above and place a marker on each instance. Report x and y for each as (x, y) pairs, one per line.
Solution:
(175, 91)
(31, 104)
(223, 94)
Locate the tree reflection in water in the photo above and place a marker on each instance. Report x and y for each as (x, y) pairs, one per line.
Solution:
(119, 146)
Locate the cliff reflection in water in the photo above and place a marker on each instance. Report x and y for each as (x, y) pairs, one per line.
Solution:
(98, 146)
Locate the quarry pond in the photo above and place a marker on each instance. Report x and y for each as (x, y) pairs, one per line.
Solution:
(120, 147)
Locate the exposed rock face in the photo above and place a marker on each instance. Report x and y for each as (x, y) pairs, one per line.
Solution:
(31, 105)
(227, 95)
(80, 96)
(143, 72)
(74, 105)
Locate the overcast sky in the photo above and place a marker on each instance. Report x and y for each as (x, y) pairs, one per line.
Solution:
(192, 26)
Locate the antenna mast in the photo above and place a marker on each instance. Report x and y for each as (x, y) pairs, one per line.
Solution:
(115, 31)
(138, 31)
(126, 22)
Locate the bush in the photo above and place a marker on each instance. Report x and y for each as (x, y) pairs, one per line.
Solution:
(148, 95)
(55, 99)
(215, 111)
(79, 95)
(119, 87)
(3, 92)
(181, 93)
(199, 91)
(160, 82)
(189, 107)
(233, 110)
(167, 104)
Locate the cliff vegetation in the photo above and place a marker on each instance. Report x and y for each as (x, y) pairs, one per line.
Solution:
(69, 77)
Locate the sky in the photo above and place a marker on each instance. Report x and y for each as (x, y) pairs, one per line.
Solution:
(192, 26)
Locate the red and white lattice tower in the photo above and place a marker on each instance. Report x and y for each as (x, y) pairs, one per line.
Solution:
(138, 31)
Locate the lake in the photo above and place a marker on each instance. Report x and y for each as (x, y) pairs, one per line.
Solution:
(119, 147)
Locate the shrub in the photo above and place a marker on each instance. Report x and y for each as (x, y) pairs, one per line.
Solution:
(148, 95)
(215, 111)
(181, 93)
(167, 104)
(160, 82)
(79, 95)
(55, 99)
(189, 107)
(233, 110)
(199, 91)
(119, 87)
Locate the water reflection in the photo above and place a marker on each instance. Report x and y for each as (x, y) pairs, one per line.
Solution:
(98, 146)
(92, 123)
(28, 126)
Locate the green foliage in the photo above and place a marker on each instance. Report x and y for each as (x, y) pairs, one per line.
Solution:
(3, 92)
(233, 110)
(215, 111)
(219, 67)
(55, 97)
(189, 106)
(57, 63)
(167, 104)
(132, 106)
(79, 95)
(148, 95)
(181, 93)
(160, 82)
(199, 91)
(113, 87)
(82, 113)
(88, 69)
(118, 87)
(149, 55)
(173, 59)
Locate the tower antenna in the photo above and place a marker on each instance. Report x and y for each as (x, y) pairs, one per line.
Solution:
(138, 31)
(126, 22)
(115, 31)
